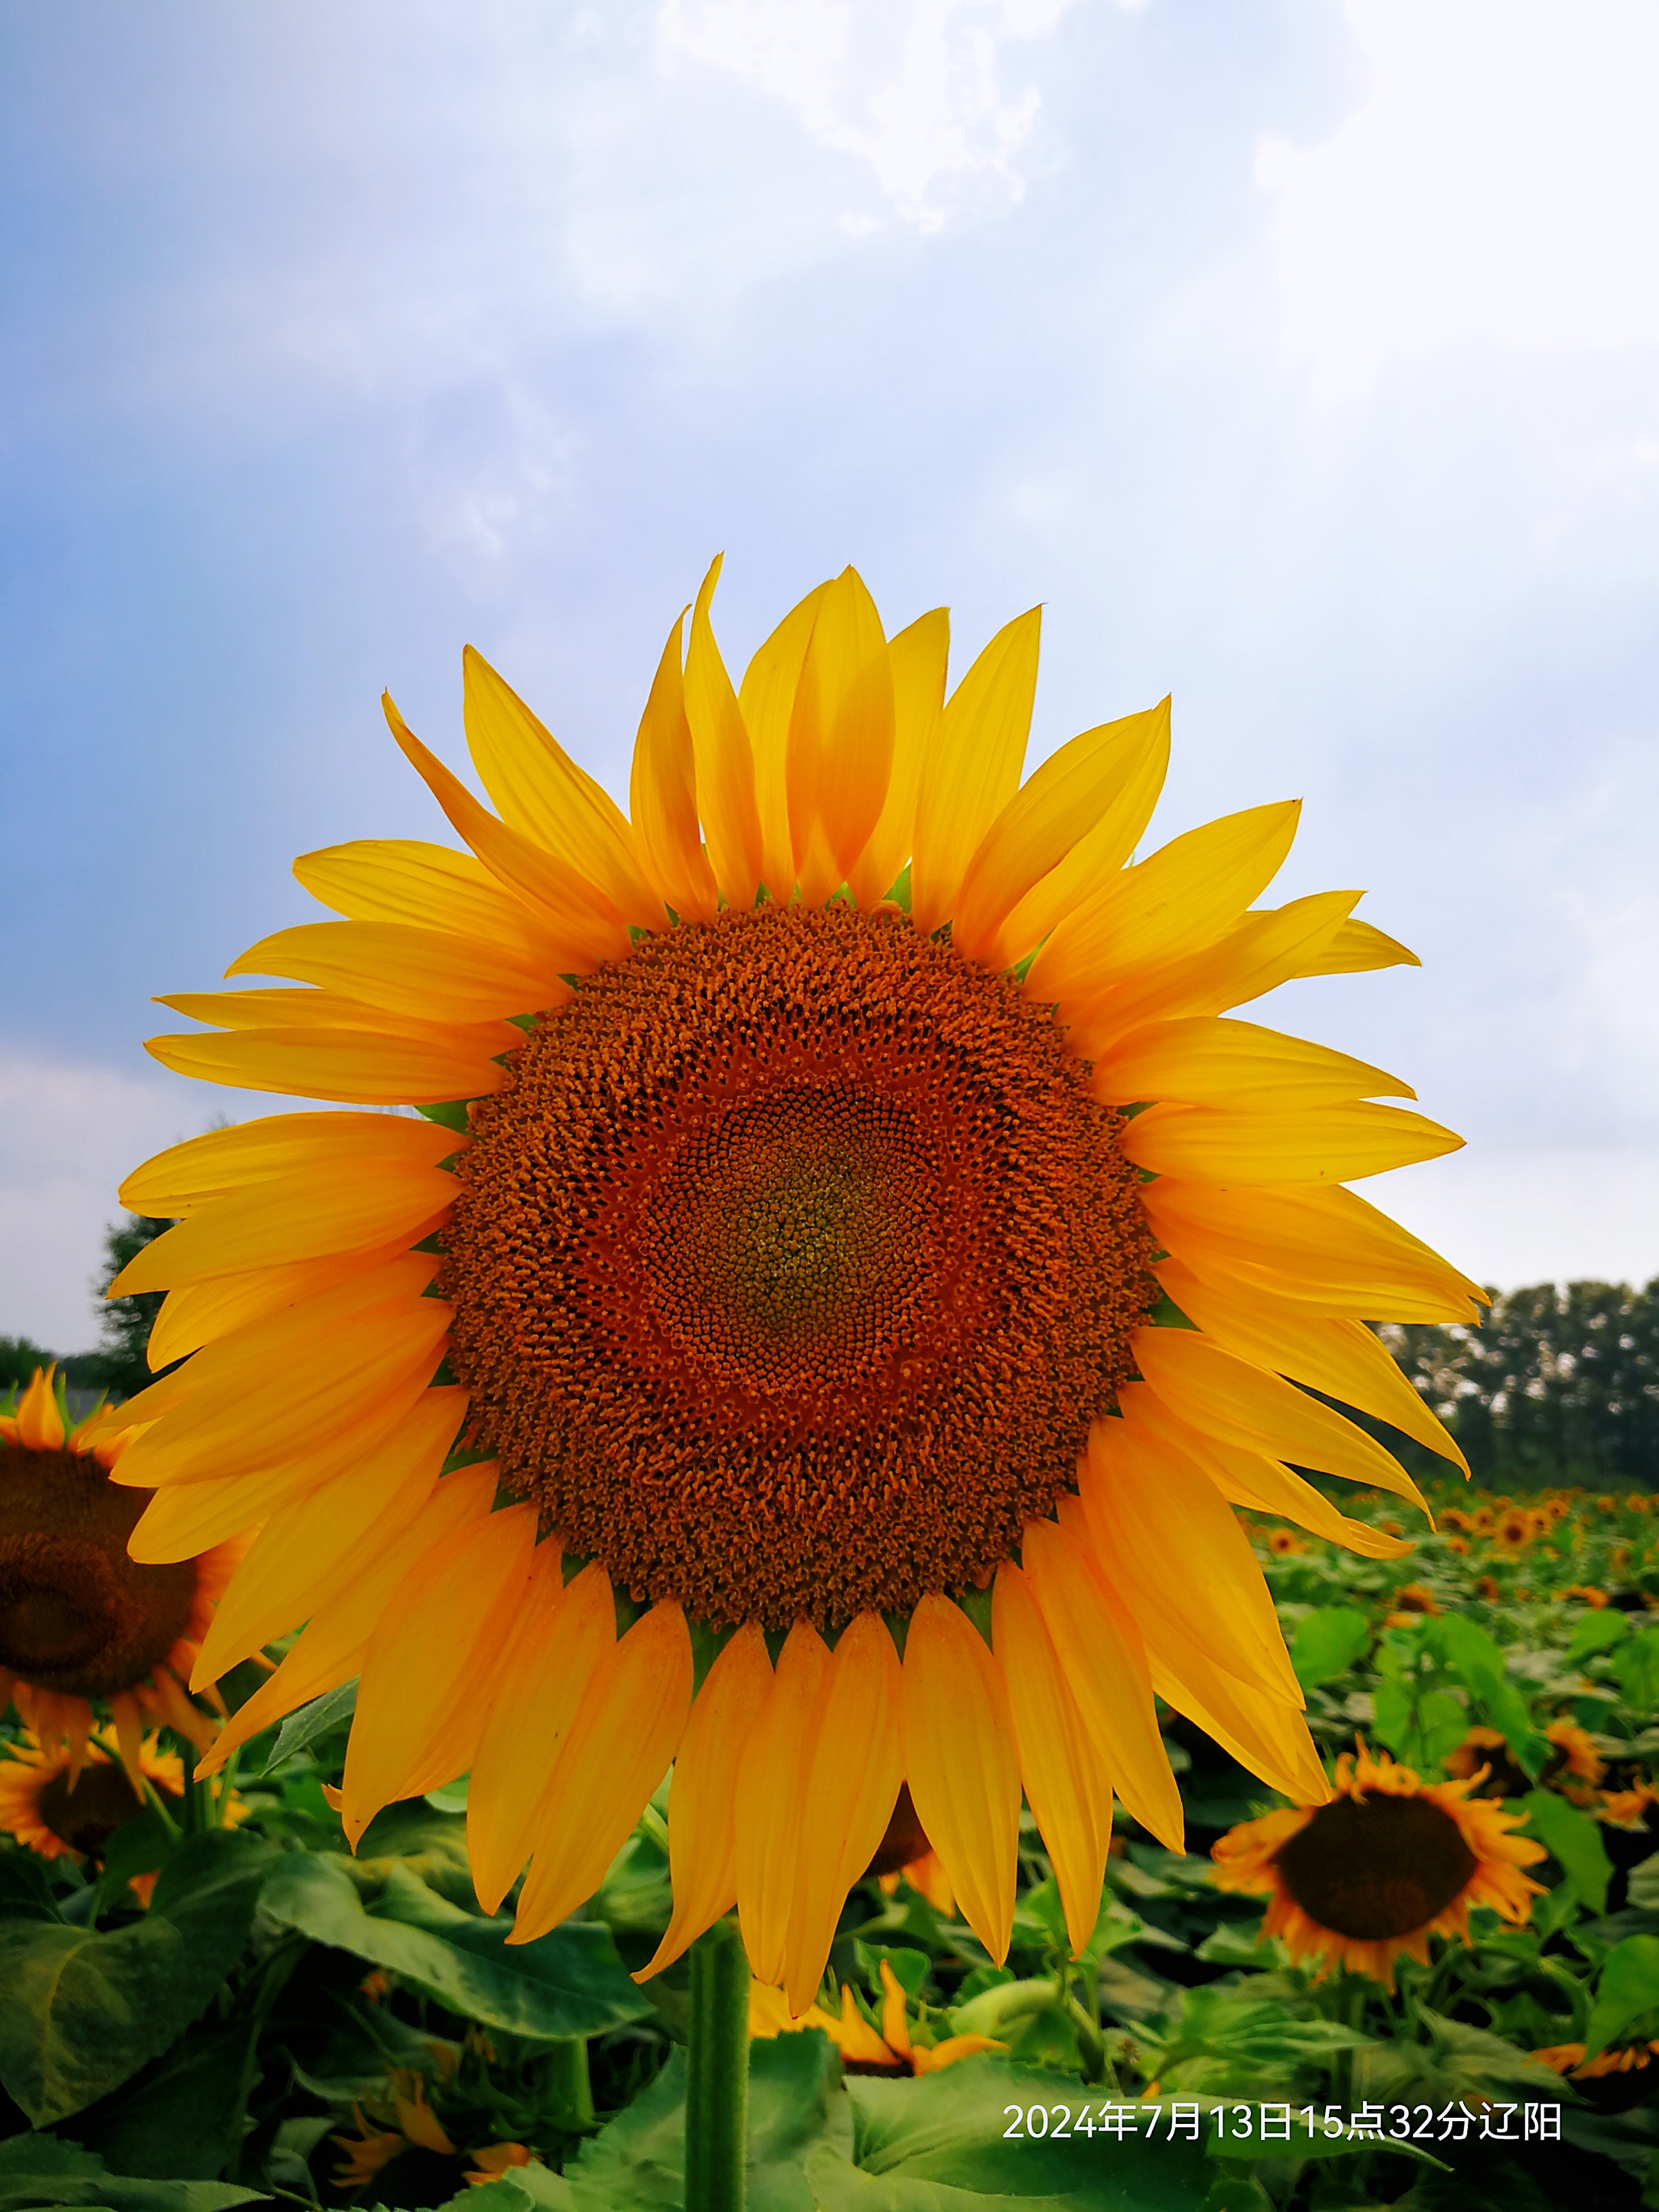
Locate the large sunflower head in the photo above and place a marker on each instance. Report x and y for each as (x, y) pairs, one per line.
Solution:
(80, 1619)
(1389, 1861)
(846, 1263)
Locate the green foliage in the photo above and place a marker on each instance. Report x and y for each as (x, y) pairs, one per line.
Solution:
(1327, 1643)
(1574, 1842)
(568, 1983)
(85, 2010)
(39, 2170)
(1559, 1385)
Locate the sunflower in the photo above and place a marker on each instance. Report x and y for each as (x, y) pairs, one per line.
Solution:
(1514, 1528)
(79, 1619)
(863, 2050)
(59, 1806)
(1389, 1861)
(1282, 1543)
(825, 1335)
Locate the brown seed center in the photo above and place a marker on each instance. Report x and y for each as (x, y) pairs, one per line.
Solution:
(76, 1614)
(791, 1265)
(1376, 1866)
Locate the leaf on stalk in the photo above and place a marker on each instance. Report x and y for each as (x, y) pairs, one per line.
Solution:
(319, 1718)
(85, 2011)
(1574, 1841)
(570, 1982)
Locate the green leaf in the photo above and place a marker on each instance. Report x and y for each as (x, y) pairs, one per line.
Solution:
(1637, 1669)
(40, 2170)
(172, 2120)
(1478, 1662)
(1629, 1987)
(1391, 1714)
(25, 1891)
(84, 2011)
(1327, 1643)
(321, 1717)
(943, 2143)
(140, 1845)
(1597, 1632)
(570, 1982)
(1574, 1841)
(637, 2164)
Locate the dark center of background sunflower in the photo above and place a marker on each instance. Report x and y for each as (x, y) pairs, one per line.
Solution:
(792, 1265)
(76, 1614)
(86, 1817)
(1376, 1866)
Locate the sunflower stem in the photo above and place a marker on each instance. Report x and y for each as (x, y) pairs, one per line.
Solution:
(717, 2072)
(571, 2084)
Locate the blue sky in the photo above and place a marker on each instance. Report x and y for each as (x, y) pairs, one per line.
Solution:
(1301, 359)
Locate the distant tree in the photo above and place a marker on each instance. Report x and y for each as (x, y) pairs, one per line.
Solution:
(120, 1366)
(1559, 1385)
(18, 1358)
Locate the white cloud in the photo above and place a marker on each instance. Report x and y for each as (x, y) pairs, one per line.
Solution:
(1532, 1214)
(1497, 185)
(72, 1132)
(920, 98)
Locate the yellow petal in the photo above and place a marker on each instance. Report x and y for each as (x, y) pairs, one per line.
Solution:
(1149, 1506)
(1266, 1738)
(431, 1663)
(628, 1728)
(330, 1650)
(771, 1775)
(406, 880)
(663, 795)
(1092, 799)
(1177, 901)
(1100, 1651)
(1058, 1763)
(973, 771)
(725, 761)
(895, 2027)
(188, 1176)
(953, 2048)
(1343, 1359)
(371, 1069)
(1319, 1251)
(200, 1313)
(917, 657)
(1355, 949)
(251, 1419)
(1258, 953)
(294, 1566)
(1313, 1145)
(1266, 1485)
(302, 1336)
(561, 1639)
(323, 1208)
(1205, 1061)
(566, 906)
(542, 793)
(840, 751)
(427, 975)
(702, 1842)
(284, 1006)
(766, 700)
(1241, 1404)
(961, 1763)
(853, 1768)
(852, 2035)
(40, 1423)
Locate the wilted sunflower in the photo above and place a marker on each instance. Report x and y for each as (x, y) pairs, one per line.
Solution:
(797, 1267)
(79, 1619)
(1389, 1861)
(53, 1805)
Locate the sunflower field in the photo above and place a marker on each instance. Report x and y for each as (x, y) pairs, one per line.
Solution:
(210, 2001)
